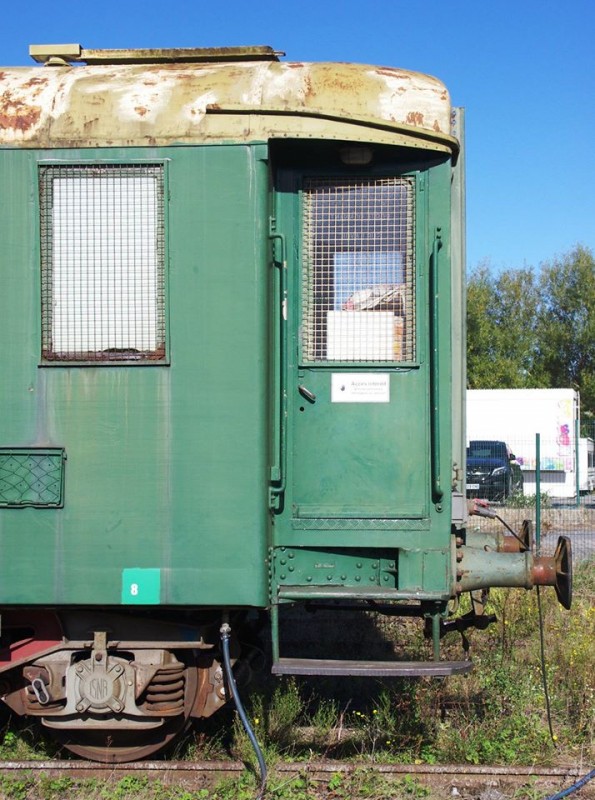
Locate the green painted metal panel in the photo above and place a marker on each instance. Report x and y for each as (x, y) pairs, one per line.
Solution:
(361, 474)
(338, 567)
(341, 464)
(167, 465)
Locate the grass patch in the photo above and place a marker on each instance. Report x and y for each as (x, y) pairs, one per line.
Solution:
(22, 739)
(361, 784)
(520, 500)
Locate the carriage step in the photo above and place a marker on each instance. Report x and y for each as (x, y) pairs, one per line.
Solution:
(376, 669)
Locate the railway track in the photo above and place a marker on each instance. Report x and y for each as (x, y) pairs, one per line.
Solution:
(485, 782)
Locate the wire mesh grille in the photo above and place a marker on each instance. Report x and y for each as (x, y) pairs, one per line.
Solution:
(102, 262)
(359, 276)
(31, 477)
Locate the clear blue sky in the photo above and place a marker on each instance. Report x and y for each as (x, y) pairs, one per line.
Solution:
(524, 70)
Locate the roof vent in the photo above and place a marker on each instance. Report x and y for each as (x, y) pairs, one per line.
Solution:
(60, 54)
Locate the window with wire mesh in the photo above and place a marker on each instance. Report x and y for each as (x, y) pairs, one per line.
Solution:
(359, 270)
(102, 263)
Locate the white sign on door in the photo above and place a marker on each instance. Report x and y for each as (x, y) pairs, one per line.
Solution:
(360, 387)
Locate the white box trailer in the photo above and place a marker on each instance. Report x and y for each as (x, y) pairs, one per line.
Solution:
(586, 464)
(515, 416)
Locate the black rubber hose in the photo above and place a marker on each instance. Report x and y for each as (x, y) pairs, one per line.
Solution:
(575, 786)
(225, 632)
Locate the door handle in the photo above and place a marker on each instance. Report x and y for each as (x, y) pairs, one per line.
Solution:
(307, 394)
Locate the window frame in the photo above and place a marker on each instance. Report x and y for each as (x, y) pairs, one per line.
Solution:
(417, 179)
(161, 355)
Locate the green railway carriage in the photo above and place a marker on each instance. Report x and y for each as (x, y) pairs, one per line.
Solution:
(232, 311)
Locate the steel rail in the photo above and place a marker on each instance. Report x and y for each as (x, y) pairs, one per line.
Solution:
(163, 768)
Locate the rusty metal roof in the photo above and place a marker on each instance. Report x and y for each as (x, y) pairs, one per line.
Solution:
(188, 102)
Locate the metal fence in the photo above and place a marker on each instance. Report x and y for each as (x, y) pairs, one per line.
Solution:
(560, 472)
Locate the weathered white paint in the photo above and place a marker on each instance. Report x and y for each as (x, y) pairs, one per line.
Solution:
(130, 104)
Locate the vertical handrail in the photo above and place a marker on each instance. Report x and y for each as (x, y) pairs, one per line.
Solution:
(279, 470)
(437, 490)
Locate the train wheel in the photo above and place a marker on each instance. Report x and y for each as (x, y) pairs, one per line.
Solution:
(115, 745)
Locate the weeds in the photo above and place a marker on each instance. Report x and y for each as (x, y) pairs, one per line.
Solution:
(520, 500)
(21, 740)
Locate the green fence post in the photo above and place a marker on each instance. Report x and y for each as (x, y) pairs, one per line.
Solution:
(538, 493)
(577, 461)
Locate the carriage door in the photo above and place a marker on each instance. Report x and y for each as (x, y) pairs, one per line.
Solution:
(357, 388)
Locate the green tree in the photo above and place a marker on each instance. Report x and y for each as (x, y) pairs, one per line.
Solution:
(566, 324)
(502, 343)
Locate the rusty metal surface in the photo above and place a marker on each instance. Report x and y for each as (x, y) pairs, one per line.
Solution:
(69, 53)
(128, 105)
(544, 571)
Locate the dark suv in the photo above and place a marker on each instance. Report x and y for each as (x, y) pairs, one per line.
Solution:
(492, 471)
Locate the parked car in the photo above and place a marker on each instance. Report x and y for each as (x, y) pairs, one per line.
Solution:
(492, 470)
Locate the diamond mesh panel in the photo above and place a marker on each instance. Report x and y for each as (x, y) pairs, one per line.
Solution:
(31, 477)
(359, 276)
(102, 262)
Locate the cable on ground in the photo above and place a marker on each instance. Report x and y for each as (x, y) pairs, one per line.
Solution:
(574, 788)
(225, 632)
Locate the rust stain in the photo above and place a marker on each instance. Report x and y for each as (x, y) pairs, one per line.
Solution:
(393, 73)
(233, 72)
(34, 82)
(415, 118)
(348, 84)
(16, 115)
(141, 110)
(308, 88)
